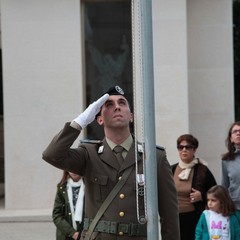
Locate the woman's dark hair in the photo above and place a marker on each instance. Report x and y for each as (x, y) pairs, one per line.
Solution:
(189, 139)
(229, 155)
(64, 179)
(221, 193)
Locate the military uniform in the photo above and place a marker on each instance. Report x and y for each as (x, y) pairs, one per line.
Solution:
(99, 166)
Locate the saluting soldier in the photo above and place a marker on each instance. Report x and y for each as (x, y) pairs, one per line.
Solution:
(103, 168)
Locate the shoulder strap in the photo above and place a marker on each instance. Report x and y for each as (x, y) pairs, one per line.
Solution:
(107, 202)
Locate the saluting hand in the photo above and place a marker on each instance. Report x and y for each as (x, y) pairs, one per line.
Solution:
(89, 114)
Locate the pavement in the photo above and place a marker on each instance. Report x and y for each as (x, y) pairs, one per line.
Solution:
(25, 224)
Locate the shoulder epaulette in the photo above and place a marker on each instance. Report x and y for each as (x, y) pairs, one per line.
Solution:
(140, 147)
(160, 147)
(91, 141)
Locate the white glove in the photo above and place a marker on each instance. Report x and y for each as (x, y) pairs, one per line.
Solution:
(92, 110)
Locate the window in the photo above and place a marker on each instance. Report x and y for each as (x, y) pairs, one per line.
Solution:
(108, 51)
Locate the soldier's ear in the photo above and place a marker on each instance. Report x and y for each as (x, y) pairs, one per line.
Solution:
(100, 120)
(131, 118)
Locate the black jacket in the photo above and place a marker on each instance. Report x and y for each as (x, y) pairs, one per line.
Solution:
(202, 180)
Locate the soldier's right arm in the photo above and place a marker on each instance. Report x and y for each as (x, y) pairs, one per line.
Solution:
(59, 152)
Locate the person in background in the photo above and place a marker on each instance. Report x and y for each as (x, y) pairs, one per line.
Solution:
(102, 165)
(231, 164)
(219, 221)
(68, 209)
(193, 179)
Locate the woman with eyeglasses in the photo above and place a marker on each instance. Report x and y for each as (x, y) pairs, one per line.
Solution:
(192, 179)
(231, 164)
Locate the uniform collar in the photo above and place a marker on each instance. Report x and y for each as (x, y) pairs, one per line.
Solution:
(126, 144)
(106, 154)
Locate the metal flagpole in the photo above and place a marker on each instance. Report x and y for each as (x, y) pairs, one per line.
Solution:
(149, 121)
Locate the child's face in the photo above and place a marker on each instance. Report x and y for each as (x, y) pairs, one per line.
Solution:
(213, 203)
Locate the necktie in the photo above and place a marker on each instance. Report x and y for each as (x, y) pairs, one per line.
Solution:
(118, 150)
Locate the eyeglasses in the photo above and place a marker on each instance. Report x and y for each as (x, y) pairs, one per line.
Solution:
(187, 147)
(236, 131)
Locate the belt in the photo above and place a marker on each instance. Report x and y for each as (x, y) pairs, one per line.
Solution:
(113, 227)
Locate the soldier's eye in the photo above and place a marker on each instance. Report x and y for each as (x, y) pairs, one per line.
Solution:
(108, 104)
(122, 102)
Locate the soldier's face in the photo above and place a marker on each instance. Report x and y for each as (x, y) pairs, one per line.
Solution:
(115, 112)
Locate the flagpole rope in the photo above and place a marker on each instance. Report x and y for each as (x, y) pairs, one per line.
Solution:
(138, 112)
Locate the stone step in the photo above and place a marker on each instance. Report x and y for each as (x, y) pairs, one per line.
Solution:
(34, 215)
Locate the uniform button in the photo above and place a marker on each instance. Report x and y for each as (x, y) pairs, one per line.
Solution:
(69, 213)
(121, 214)
(120, 233)
(95, 179)
(122, 196)
(120, 178)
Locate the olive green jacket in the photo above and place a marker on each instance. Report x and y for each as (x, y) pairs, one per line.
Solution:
(99, 166)
(62, 216)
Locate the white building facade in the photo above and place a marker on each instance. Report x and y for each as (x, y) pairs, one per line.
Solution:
(44, 84)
